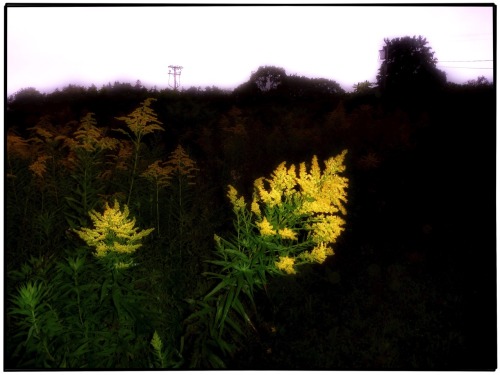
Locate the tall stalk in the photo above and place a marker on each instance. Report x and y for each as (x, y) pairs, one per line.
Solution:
(140, 122)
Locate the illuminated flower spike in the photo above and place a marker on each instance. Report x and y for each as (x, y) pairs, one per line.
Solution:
(318, 254)
(113, 232)
(326, 229)
(323, 193)
(238, 203)
(287, 234)
(254, 207)
(266, 228)
(286, 264)
(271, 197)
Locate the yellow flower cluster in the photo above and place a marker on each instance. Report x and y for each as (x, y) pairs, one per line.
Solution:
(113, 231)
(91, 138)
(323, 193)
(320, 252)
(266, 228)
(238, 203)
(304, 207)
(326, 229)
(39, 167)
(17, 146)
(142, 120)
(159, 173)
(181, 162)
(272, 197)
(286, 264)
(42, 134)
(254, 207)
(287, 234)
(313, 198)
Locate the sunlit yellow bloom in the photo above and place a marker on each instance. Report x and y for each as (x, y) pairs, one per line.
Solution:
(254, 207)
(272, 197)
(287, 233)
(327, 228)
(286, 264)
(266, 228)
(238, 203)
(320, 252)
(113, 231)
(282, 180)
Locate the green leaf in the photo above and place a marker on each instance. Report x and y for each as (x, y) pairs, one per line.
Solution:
(224, 283)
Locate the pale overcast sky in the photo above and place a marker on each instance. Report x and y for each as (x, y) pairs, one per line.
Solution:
(51, 47)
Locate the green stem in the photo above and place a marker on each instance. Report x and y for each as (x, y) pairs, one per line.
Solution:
(157, 209)
(137, 144)
(37, 330)
(180, 215)
(75, 278)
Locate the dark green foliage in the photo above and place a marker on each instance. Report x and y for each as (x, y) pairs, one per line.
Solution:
(409, 70)
(80, 317)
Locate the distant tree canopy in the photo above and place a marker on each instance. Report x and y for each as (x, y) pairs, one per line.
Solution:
(409, 66)
(268, 78)
(274, 80)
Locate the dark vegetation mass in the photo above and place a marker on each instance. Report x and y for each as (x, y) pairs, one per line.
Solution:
(412, 284)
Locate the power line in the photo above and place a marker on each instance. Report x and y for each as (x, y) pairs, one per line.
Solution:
(460, 67)
(463, 60)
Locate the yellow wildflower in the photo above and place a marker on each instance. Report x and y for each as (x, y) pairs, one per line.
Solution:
(158, 174)
(91, 138)
(286, 264)
(254, 207)
(272, 197)
(327, 229)
(17, 146)
(39, 167)
(283, 180)
(287, 233)
(266, 228)
(42, 134)
(238, 203)
(182, 163)
(320, 252)
(113, 231)
(142, 120)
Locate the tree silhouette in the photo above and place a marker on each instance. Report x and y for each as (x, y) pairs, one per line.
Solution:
(268, 78)
(409, 67)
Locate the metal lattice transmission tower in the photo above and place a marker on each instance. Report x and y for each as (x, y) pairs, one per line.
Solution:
(177, 75)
